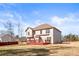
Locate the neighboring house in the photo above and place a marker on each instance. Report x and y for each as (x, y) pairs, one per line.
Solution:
(22, 40)
(43, 33)
(7, 38)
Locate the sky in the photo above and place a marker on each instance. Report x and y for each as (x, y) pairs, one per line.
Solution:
(64, 16)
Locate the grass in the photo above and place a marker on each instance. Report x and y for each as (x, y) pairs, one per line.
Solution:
(41, 50)
(28, 52)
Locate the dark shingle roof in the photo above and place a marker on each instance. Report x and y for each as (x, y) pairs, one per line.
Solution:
(43, 26)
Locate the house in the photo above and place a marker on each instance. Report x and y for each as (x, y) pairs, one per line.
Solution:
(7, 39)
(22, 40)
(43, 34)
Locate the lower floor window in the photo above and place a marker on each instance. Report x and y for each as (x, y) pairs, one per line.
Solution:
(48, 40)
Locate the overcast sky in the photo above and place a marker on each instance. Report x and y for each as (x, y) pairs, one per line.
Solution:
(63, 16)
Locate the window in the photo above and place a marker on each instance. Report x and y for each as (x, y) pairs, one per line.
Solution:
(40, 31)
(49, 39)
(28, 33)
(47, 31)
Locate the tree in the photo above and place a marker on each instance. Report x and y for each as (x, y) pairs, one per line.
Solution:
(9, 26)
(20, 31)
(71, 37)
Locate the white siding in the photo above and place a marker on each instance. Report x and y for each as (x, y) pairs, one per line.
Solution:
(37, 32)
(8, 39)
(56, 36)
(30, 33)
(51, 35)
(44, 32)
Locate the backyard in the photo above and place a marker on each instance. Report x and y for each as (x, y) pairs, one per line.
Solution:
(64, 49)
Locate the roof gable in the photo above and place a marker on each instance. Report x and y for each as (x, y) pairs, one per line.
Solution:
(28, 28)
(43, 26)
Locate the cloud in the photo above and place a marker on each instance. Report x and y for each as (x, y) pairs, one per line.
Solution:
(57, 20)
(38, 22)
(7, 6)
(67, 24)
(7, 16)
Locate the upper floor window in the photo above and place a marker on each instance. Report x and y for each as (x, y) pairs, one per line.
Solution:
(48, 31)
(40, 31)
(28, 33)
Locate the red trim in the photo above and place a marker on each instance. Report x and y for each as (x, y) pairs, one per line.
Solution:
(36, 42)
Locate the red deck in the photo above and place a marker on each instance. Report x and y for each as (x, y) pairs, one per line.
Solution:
(35, 42)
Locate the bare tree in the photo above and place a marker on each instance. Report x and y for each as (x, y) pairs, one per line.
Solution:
(9, 26)
(3, 32)
(20, 31)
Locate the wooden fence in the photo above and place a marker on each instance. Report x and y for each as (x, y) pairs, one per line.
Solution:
(8, 43)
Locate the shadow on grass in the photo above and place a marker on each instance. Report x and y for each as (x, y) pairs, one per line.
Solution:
(31, 51)
(12, 52)
(40, 52)
(23, 52)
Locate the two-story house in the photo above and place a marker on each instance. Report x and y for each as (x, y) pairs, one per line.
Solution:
(43, 33)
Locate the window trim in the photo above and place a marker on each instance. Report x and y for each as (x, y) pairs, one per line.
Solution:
(47, 31)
